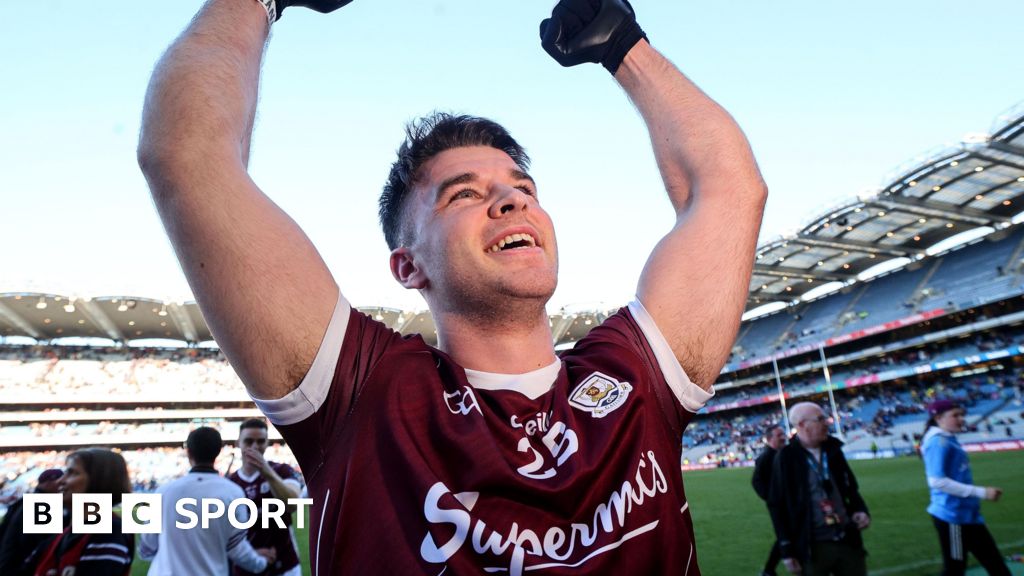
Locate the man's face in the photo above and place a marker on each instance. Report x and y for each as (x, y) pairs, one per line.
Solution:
(813, 428)
(776, 438)
(479, 235)
(253, 438)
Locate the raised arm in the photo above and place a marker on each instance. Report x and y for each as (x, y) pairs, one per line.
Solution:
(695, 282)
(262, 287)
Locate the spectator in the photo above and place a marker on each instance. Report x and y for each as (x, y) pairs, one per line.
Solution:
(815, 503)
(774, 439)
(955, 505)
(260, 479)
(92, 471)
(15, 546)
(207, 551)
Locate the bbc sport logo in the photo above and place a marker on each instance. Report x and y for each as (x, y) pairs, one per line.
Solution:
(143, 513)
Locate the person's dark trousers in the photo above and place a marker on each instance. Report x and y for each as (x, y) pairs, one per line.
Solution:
(841, 558)
(774, 557)
(957, 540)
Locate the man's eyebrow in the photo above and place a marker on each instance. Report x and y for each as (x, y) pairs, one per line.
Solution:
(454, 181)
(468, 177)
(520, 175)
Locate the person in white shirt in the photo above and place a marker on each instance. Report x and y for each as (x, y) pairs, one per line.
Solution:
(201, 551)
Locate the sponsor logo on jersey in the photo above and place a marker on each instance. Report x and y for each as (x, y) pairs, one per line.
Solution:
(456, 524)
(600, 394)
(462, 401)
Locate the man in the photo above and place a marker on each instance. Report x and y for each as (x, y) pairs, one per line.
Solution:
(15, 545)
(261, 480)
(814, 501)
(774, 440)
(201, 551)
(488, 453)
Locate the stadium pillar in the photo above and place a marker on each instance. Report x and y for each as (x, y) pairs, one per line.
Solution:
(782, 397)
(831, 397)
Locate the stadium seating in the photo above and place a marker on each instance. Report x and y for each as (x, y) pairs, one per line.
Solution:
(983, 265)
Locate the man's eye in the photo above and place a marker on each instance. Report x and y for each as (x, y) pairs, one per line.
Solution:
(466, 193)
(526, 190)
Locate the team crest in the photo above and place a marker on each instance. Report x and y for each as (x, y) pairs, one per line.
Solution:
(600, 394)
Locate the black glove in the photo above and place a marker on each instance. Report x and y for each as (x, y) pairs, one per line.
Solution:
(322, 6)
(591, 31)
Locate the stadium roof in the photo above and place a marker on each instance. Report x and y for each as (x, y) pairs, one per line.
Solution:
(978, 184)
(975, 186)
(47, 317)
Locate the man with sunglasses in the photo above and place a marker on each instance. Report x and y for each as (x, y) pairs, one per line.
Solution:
(815, 504)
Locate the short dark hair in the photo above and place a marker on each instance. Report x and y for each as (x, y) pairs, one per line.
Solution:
(426, 138)
(204, 444)
(252, 423)
(769, 430)
(107, 471)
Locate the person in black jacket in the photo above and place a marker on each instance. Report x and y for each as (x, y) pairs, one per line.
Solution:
(15, 545)
(774, 440)
(814, 501)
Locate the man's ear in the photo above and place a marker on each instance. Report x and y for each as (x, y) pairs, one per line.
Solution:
(406, 270)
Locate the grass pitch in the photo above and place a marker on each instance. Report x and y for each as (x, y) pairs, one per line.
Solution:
(734, 533)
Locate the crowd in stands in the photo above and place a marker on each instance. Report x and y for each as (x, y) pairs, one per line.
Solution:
(149, 468)
(103, 428)
(734, 437)
(37, 373)
(936, 351)
(43, 352)
(787, 329)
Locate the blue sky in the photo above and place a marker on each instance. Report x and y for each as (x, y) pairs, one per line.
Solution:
(833, 97)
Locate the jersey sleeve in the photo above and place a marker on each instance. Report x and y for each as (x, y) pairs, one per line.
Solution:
(631, 335)
(242, 554)
(954, 488)
(312, 413)
(289, 475)
(689, 395)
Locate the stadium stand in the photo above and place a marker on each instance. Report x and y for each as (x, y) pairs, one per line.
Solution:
(912, 292)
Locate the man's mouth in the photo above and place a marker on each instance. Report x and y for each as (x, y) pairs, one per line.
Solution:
(512, 242)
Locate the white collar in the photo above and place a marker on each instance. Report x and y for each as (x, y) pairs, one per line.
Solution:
(533, 384)
(242, 475)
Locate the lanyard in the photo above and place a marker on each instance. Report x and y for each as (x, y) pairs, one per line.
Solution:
(821, 471)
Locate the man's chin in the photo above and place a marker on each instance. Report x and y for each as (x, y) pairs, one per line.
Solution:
(533, 293)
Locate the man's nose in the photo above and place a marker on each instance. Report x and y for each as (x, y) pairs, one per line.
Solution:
(507, 199)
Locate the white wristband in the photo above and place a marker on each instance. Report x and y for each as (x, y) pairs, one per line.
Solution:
(271, 7)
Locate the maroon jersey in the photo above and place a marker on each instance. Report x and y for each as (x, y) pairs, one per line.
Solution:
(418, 466)
(273, 536)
